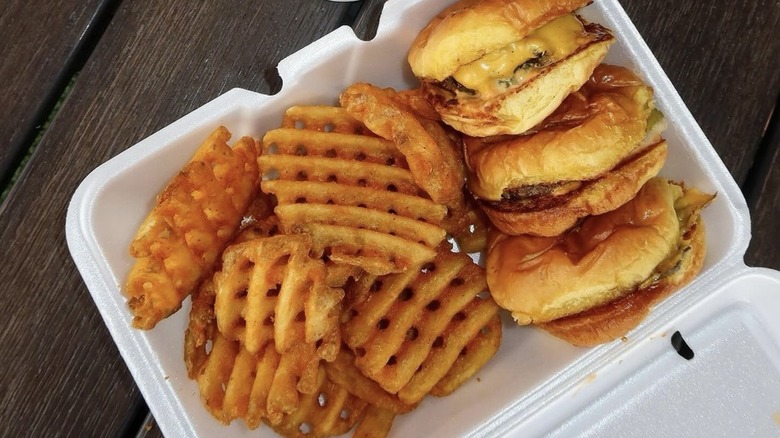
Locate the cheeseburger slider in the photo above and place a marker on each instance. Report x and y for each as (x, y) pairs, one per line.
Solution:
(501, 66)
(590, 156)
(599, 280)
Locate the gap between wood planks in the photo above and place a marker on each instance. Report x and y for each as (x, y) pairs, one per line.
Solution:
(768, 147)
(51, 103)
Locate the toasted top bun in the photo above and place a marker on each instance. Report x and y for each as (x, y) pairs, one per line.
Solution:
(467, 30)
(592, 131)
(540, 279)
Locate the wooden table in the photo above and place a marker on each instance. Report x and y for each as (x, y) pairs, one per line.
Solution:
(82, 80)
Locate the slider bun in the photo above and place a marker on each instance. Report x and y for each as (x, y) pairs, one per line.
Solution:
(467, 30)
(607, 193)
(613, 320)
(590, 133)
(540, 279)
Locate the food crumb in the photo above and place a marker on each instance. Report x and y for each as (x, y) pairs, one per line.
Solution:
(479, 379)
(148, 427)
(166, 377)
(624, 339)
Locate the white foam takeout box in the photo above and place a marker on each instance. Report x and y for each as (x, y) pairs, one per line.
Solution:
(535, 384)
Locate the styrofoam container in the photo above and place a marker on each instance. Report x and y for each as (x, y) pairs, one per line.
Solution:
(535, 384)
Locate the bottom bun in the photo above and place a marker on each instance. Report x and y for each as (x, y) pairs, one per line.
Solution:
(602, 195)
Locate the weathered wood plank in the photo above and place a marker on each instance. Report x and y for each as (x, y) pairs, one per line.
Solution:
(39, 47)
(763, 196)
(723, 59)
(157, 60)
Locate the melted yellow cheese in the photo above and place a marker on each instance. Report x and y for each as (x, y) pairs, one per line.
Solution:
(497, 70)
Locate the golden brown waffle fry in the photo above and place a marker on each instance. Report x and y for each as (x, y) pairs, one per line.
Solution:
(328, 411)
(213, 376)
(395, 203)
(194, 218)
(353, 194)
(235, 383)
(272, 290)
(430, 155)
(408, 329)
(471, 359)
(333, 145)
(376, 423)
(324, 119)
(343, 372)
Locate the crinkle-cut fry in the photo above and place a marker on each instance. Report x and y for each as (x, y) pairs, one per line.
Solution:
(289, 192)
(333, 145)
(194, 205)
(324, 119)
(264, 290)
(376, 423)
(149, 286)
(343, 372)
(194, 218)
(409, 329)
(374, 252)
(471, 359)
(328, 411)
(361, 218)
(331, 170)
(430, 167)
(231, 165)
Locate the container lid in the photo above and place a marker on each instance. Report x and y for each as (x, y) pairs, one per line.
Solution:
(714, 370)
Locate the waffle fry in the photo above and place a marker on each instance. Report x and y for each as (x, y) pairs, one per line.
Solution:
(235, 383)
(324, 119)
(407, 330)
(343, 372)
(271, 290)
(471, 359)
(194, 218)
(353, 194)
(328, 411)
(376, 423)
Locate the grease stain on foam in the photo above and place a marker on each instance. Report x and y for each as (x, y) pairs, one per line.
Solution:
(776, 417)
(590, 378)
